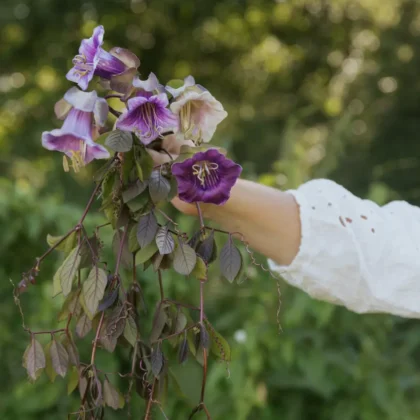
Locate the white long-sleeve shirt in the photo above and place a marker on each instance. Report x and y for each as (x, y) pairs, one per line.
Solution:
(356, 253)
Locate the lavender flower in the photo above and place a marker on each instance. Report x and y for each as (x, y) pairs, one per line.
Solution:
(83, 112)
(94, 60)
(147, 115)
(206, 177)
(199, 112)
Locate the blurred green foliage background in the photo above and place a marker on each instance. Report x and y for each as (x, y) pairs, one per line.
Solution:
(314, 88)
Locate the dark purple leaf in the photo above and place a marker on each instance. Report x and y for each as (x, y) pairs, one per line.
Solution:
(165, 241)
(194, 240)
(147, 229)
(183, 351)
(206, 248)
(230, 261)
(108, 300)
(185, 259)
(157, 360)
(159, 186)
(59, 358)
(83, 326)
(159, 321)
(34, 359)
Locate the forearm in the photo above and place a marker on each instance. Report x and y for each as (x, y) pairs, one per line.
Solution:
(268, 219)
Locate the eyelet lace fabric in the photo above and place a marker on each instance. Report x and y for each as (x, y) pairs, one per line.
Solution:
(356, 253)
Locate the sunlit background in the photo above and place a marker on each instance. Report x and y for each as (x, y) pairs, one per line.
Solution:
(313, 88)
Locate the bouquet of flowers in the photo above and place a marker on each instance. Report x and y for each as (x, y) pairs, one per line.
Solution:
(157, 149)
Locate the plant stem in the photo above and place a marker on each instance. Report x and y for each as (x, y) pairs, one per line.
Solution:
(90, 202)
(48, 252)
(114, 111)
(162, 296)
(150, 402)
(101, 320)
(200, 216)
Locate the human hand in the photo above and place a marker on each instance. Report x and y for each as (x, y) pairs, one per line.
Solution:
(169, 150)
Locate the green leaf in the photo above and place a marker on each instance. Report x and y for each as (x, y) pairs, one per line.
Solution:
(34, 359)
(63, 278)
(141, 202)
(49, 370)
(130, 330)
(230, 261)
(165, 241)
(103, 171)
(70, 305)
(134, 190)
(89, 251)
(112, 396)
(159, 186)
(66, 246)
(200, 269)
(219, 346)
(83, 326)
(144, 163)
(119, 141)
(146, 253)
(73, 380)
(59, 358)
(133, 243)
(147, 229)
(157, 360)
(94, 288)
(185, 259)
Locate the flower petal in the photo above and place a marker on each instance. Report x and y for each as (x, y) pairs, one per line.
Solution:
(62, 108)
(123, 82)
(82, 80)
(216, 188)
(63, 141)
(89, 47)
(126, 56)
(206, 112)
(101, 111)
(148, 116)
(188, 82)
(95, 151)
(83, 101)
(87, 59)
(149, 85)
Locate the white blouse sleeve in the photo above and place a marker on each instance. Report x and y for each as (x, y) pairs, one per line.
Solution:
(355, 253)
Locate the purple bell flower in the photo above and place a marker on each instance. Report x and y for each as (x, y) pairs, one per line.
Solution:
(94, 60)
(206, 177)
(147, 114)
(83, 112)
